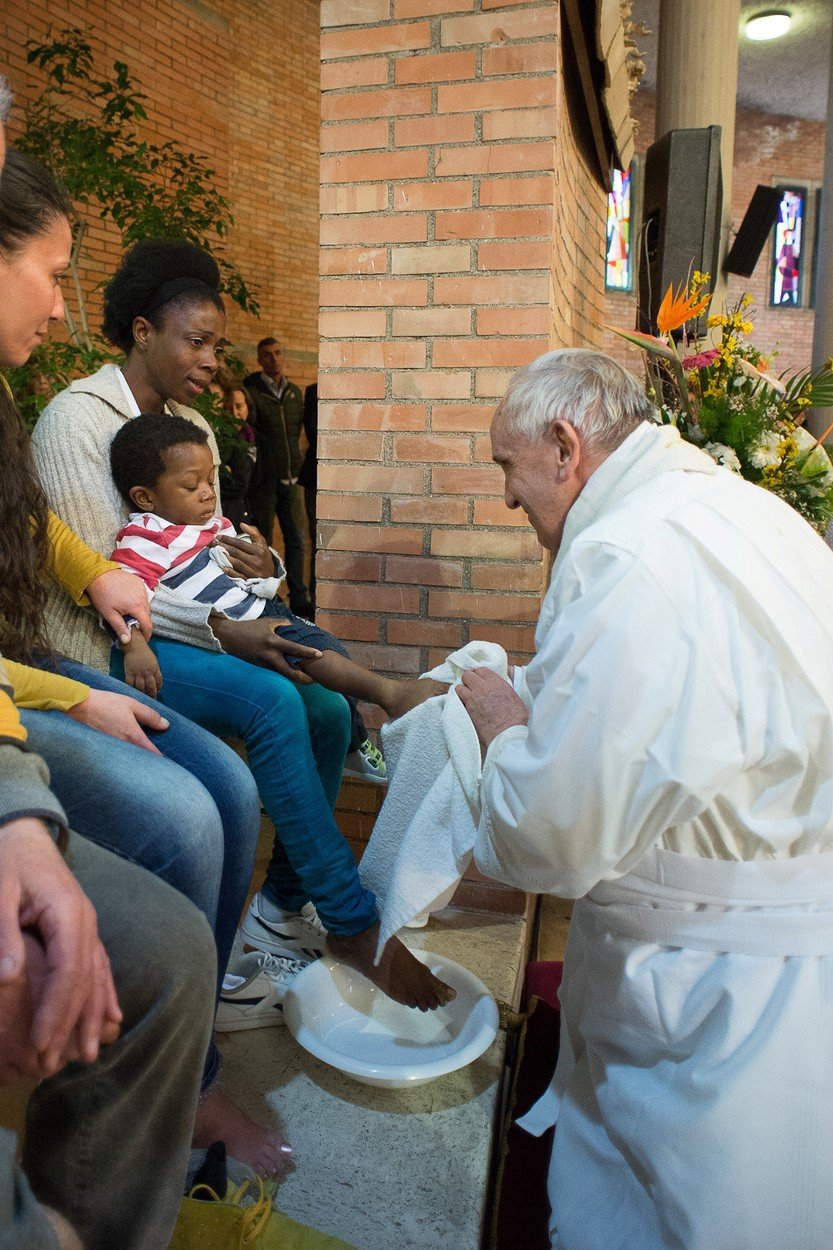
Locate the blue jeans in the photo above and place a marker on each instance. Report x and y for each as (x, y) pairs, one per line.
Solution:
(190, 816)
(296, 738)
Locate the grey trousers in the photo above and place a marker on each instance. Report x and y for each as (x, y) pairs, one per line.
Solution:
(107, 1143)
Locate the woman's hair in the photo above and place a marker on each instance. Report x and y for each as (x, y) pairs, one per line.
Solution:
(229, 399)
(154, 275)
(30, 200)
(137, 451)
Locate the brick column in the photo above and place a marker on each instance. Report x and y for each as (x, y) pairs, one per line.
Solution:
(440, 158)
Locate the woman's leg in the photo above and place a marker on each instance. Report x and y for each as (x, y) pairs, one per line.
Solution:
(140, 806)
(296, 738)
(210, 766)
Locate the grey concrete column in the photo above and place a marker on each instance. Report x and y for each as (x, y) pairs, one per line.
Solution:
(697, 83)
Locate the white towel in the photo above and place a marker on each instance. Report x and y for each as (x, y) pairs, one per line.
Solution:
(424, 834)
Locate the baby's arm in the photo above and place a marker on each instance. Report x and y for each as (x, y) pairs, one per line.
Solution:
(141, 667)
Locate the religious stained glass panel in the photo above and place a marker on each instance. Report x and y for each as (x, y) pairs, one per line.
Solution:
(787, 253)
(618, 275)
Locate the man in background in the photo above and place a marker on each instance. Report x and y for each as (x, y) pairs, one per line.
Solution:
(279, 416)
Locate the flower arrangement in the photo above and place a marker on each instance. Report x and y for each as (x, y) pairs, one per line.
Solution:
(721, 396)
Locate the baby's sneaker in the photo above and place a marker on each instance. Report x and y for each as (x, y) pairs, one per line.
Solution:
(368, 763)
(296, 935)
(253, 992)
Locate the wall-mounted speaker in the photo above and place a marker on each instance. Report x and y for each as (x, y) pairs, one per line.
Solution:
(760, 217)
(682, 205)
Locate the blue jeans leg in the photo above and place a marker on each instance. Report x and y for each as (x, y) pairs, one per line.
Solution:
(296, 738)
(191, 817)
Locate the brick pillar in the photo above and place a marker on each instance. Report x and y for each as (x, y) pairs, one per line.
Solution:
(440, 157)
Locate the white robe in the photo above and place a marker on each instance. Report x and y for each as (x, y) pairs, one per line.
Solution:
(677, 770)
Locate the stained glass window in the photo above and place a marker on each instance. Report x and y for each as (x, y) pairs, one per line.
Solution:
(787, 253)
(618, 275)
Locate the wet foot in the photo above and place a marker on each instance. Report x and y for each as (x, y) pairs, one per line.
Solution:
(218, 1119)
(401, 976)
(405, 695)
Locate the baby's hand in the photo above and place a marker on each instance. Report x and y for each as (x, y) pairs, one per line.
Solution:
(141, 667)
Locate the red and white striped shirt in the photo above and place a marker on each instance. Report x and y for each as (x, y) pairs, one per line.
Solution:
(181, 558)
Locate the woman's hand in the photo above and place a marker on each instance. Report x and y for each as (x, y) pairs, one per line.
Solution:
(252, 559)
(259, 643)
(119, 716)
(117, 594)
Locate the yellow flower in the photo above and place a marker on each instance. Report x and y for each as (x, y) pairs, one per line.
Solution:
(676, 310)
(746, 301)
(714, 321)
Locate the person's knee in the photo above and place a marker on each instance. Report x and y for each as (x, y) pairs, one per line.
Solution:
(178, 956)
(329, 720)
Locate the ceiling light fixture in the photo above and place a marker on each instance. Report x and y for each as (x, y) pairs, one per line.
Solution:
(770, 25)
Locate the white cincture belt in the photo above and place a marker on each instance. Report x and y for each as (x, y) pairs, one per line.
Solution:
(762, 907)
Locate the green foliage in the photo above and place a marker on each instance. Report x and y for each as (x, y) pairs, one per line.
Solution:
(86, 127)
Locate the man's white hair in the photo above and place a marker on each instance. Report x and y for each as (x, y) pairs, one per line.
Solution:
(5, 100)
(595, 394)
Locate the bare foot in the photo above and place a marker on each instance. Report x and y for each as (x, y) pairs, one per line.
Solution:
(408, 694)
(218, 1119)
(398, 973)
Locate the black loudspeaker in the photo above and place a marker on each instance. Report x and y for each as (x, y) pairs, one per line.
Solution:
(682, 205)
(760, 217)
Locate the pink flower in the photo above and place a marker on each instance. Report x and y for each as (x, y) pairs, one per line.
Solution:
(702, 360)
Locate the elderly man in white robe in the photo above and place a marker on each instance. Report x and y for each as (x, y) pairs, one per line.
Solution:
(667, 760)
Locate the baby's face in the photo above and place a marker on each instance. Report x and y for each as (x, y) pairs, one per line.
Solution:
(185, 493)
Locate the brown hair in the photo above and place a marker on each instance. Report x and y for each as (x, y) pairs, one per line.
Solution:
(30, 200)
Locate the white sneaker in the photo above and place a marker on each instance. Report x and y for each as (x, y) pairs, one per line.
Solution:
(368, 763)
(296, 935)
(253, 992)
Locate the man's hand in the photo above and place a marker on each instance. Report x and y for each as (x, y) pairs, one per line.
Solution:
(117, 594)
(491, 703)
(259, 643)
(141, 667)
(252, 559)
(119, 716)
(69, 999)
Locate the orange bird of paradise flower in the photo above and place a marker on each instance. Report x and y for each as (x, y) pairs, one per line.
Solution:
(675, 310)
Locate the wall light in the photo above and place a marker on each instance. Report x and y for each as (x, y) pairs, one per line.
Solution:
(770, 25)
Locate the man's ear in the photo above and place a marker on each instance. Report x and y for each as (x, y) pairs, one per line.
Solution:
(564, 441)
(142, 498)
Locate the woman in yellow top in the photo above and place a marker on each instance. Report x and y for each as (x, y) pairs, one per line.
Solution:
(158, 790)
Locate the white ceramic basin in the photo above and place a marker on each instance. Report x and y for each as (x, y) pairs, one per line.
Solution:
(342, 1018)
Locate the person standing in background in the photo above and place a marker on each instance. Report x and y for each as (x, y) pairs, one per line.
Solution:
(308, 477)
(279, 415)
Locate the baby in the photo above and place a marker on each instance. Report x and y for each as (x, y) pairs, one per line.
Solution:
(163, 468)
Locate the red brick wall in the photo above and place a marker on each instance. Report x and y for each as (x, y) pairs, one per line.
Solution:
(230, 83)
(445, 163)
(768, 149)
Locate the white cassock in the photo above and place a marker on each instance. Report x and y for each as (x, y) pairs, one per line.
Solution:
(676, 776)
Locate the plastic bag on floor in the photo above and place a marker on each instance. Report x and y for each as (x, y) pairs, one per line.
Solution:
(244, 1219)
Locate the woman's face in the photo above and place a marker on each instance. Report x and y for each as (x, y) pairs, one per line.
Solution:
(30, 291)
(181, 357)
(239, 407)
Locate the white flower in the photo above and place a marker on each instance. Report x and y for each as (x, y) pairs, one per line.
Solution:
(767, 451)
(723, 455)
(817, 465)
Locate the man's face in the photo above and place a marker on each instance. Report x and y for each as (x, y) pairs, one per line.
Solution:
(542, 478)
(270, 359)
